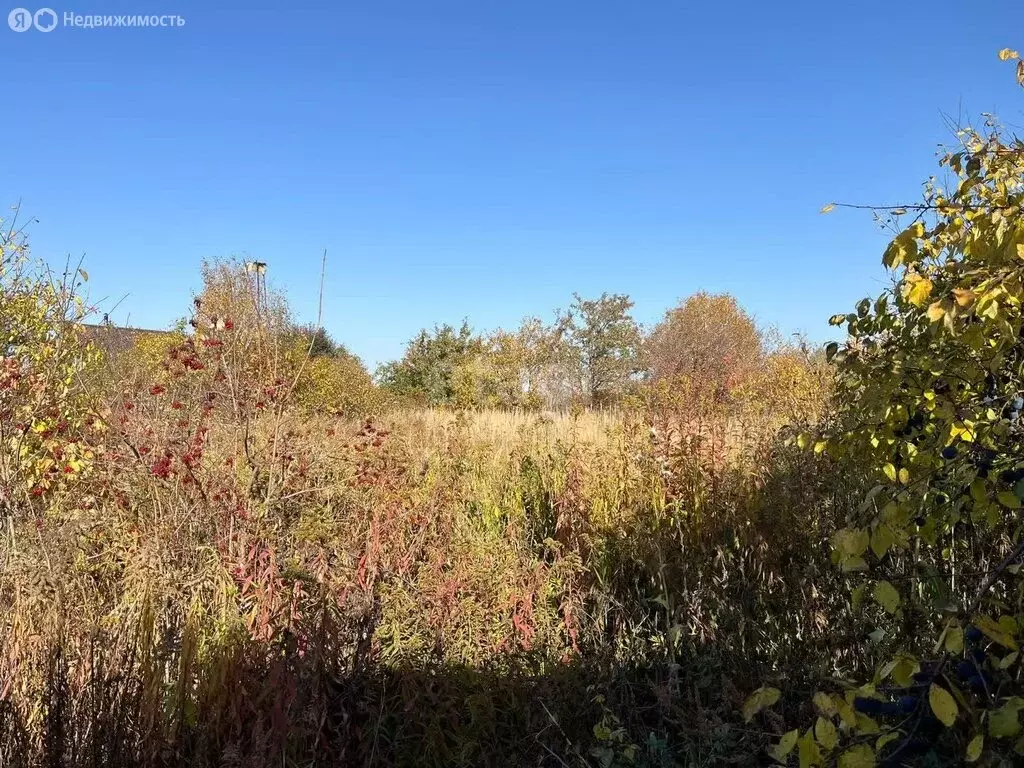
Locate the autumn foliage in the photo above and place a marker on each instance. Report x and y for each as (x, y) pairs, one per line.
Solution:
(573, 543)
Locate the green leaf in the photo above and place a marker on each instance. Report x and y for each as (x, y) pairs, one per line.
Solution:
(1008, 499)
(904, 669)
(881, 539)
(760, 699)
(887, 596)
(955, 640)
(825, 734)
(851, 541)
(854, 564)
(979, 491)
(808, 752)
(1004, 723)
(857, 597)
(860, 756)
(943, 705)
(974, 748)
(867, 725)
(885, 738)
(781, 750)
(846, 713)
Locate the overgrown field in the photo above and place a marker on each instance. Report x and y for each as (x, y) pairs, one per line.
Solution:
(201, 569)
(229, 545)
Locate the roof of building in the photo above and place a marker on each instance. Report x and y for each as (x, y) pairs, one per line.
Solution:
(116, 338)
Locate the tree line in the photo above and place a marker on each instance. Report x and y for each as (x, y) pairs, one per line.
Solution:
(593, 355)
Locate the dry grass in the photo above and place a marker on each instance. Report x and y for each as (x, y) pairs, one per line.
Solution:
(198, 572)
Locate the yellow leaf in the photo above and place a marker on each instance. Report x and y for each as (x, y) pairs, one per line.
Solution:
(974, 748)
(1007, 53)
(828, 208)
(825, 733)
(846, 712)
(995, 632)
(963, 297)
(760, 699)
(860, 756)
(955, 640)
(824, 704)
(904, 671)
(785, 746)
(936, 311)
(885, 738)
(808, 752)
(917, 289)
(887, 596)
(943, 705)
(867, 725)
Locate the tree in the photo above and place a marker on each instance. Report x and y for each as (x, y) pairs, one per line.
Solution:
(513, 369)
(931, 384)
(707, 336)
(251, 326)
(45, 364)
(329, 378)
(233, 292)
(602, 342)
(319, 342)
(427, 369)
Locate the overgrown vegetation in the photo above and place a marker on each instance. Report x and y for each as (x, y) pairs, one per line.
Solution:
(227, 545)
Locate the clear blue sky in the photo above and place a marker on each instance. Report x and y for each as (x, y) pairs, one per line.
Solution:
(486, 159)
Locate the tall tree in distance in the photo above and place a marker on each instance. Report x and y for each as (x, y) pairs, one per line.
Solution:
(602, 342)
(707, 336)
(427, 369)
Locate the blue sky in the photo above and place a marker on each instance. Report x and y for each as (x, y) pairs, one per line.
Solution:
(484, 159)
